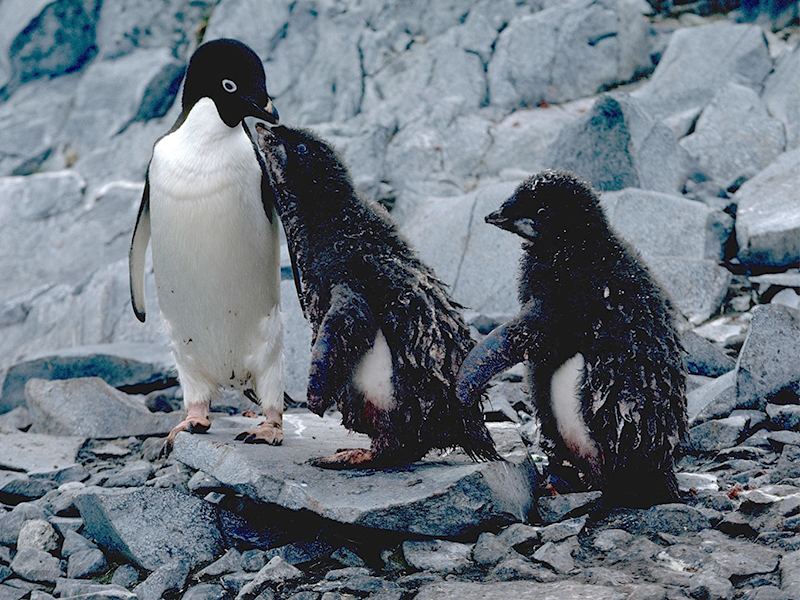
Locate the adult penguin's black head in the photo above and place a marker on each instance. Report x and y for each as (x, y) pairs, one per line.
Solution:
(231, 74)
(548, 205)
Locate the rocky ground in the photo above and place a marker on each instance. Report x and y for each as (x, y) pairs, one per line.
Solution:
(687, 121)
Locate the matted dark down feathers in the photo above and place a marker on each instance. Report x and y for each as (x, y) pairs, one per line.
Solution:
(584, 290)
(348, 252)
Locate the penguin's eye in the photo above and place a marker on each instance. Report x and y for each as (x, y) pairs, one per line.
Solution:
(228, 85)
(541, 210)
(301, 149)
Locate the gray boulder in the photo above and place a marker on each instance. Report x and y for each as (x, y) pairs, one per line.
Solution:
(717, 434)
(140, 366)
(42, 39)
(782, 95)
(38, 533)
(566, 51)
(152, 527)
(768, 215)
(715, 399)
(681, 242)
(790, 573)
(521, 140)
(127, 25)
(698, 62)
(617, 144)
(442, 502)
(735, 138)
(30, 120)
(768, 359)
(114, 93)
(167, 580)
(90, 407)
(704, 358)
(34, 564)
(477, 261)
(275, 572)
(86, 563)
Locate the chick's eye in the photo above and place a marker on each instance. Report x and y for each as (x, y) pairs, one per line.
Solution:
(228, 85)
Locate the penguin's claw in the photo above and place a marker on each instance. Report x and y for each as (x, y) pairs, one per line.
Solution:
(269, 432)
(191, 424)
(357, 458)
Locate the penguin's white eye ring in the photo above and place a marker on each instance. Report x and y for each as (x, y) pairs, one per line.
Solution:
(228, 86)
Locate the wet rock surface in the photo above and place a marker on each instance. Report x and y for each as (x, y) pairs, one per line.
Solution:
(685, 119)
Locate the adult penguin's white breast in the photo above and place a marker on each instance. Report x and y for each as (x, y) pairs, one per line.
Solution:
(215, 253)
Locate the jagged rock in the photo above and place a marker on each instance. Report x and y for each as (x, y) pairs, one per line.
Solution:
(75, 542)
(713, 400)
(298, 553)
(86, 563)
(565, 529)
(768, 360)
(704, 358)
(698, 62)
(42, 39)
(520, 590)
(680, 241)
(717, 434)
(165, 581)
(784, 417)
(514, 569)
(434, 505)
(490, 550)
(275, 572)
(788, 465)
(34, 564)
(230, 562)
(583, 48)
(133, 366)
(89, 406)
(611, 539)
(477, 261)
(38, 533)
(125, 576)
(674, 519)
(618, 145)
(131, 475)
(712, 587)
(790, 573)
(8, 592)
(151, 526)
(437, 555)
(553, 509)
(556, 556)
(782, 95)
(767, 219)
(735, 138)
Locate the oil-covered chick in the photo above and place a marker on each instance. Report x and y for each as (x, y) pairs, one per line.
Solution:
(597, 335)
(387, 338)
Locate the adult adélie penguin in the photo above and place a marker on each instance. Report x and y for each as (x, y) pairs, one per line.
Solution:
(210, 215)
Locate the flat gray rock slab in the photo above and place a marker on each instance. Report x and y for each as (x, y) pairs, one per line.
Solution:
(441, 496)
(519, 590)
(88, 406)
(34, 452)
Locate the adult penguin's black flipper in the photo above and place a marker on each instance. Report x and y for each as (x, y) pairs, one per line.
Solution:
(137, 252)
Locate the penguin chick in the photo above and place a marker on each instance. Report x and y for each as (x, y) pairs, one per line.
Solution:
(387, 338)
(597, 334)
(210, 212)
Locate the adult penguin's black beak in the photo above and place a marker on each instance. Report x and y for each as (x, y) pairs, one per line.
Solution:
(268, 113)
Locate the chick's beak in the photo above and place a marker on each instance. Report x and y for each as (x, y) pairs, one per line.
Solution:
(498, 219)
